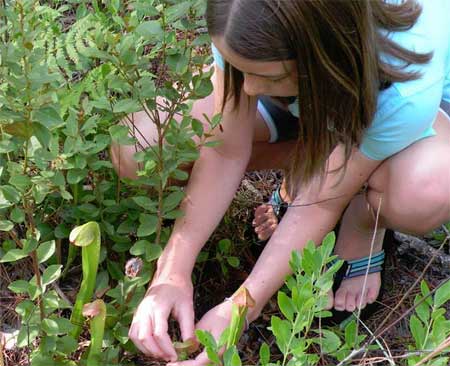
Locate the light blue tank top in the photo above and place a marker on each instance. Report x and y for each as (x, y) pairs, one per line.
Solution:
(406, 111)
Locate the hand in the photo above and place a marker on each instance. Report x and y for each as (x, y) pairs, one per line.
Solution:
(149, 328)
(214, 321)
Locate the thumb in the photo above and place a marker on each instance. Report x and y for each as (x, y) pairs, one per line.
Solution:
(186, 318)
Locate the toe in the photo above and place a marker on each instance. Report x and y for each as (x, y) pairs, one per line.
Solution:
(330, 301)
(350, 302)
(339, 299)
(372, 294)
(361, 301)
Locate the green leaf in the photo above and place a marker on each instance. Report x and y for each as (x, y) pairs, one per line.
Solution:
(424, 289)
(75, 176)
(17, 215)
(64, 325)
(328, 245)
(282, 331)
(27, 335)
(177, 11)
(114, 269)
(45, 251)
(6, 225)
(417, 331)
(19, 286)
(233, 262)
(40, 191)
(42, 134)
(67, 344)
(264, 354)
(127, 106)
(197, 127)
(286, 305)
(21, 182)
(121, 334)
(30, 245)
(126, 227)
(422, 310)
(173, 215)
(442, 294)
(178, 63)
(235, 359)
(152, 252)
(441, 361)
(206, 339)
(148, 224)
(212, 355)
(49, 117)
(205, 88)
(50, 327)
(120, 134)
(150, 30)
(330, 342)
(11, 194)
(224, 246)
(13, 255)
(139, 247)
(145, 202)
(350, 333)
(172, 200)
(51, 274)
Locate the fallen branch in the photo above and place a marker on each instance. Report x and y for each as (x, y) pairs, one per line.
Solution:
(421, 247)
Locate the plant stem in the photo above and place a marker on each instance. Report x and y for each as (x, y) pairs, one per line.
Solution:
(33, 254)
(38, 281)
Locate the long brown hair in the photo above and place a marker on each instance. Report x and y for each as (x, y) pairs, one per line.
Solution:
(336, 45)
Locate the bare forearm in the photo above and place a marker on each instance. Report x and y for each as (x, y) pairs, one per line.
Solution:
(299, 225)
(213, 182)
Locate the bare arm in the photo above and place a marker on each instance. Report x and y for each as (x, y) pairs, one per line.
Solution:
(305, 222)
(213, 182)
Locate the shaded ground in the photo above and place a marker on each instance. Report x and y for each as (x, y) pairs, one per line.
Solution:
(403, 267)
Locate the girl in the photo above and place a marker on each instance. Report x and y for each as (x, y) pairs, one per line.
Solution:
(340, 94)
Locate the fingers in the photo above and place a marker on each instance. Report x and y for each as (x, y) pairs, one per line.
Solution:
(161, 334)
(186, 319)
(141, 335)
(266, 231)
(262, 213)
(265, 221)
(149, 332)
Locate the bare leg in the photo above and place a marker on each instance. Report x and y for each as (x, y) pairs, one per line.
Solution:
(414, 189)
(264, 154)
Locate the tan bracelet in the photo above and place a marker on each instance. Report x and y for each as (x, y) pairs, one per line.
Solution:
(247, 324)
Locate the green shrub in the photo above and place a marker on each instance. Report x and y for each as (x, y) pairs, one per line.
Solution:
(69, 72)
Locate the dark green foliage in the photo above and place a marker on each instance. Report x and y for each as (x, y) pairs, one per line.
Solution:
(69, 72)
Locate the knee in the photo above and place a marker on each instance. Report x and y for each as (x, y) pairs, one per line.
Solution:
(419, 199)
(122, 156)
(123, 161)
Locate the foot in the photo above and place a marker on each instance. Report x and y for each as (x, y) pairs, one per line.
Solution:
(351, 296)
(355, 293)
